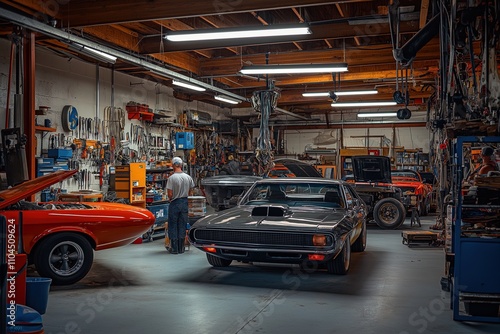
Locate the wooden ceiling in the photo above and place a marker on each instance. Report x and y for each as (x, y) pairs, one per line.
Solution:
(353, 31)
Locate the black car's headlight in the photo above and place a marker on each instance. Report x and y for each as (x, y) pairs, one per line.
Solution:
(322, 240)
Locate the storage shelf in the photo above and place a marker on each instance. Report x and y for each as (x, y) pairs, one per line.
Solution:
(44, 129)
(142, 116)
(128, 175)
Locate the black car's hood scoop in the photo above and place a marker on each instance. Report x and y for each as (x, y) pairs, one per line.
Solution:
(270, 211)
(371, 168)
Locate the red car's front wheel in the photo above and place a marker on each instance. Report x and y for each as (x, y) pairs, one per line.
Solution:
(64, 257)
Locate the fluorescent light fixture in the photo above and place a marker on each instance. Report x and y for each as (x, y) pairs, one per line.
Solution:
(364, 104)
(378, 114)
(294, 68)
(227, 33)
(96, 54)
(188, 85)
(344, 93)
(226, 99)
(110, 58)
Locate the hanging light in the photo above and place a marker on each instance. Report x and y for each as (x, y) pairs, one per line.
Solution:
(364, 104)
(341, 93)
(228, 33)
(188, 85)
(226, 99)
(96, 54)
(294, 68)
(378, 114)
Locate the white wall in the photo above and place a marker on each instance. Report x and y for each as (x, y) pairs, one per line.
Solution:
(409, 138)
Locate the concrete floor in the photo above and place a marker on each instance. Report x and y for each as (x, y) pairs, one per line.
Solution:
(140, 288)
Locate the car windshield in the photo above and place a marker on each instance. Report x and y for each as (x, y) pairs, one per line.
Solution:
(403, 175)
(295, 194)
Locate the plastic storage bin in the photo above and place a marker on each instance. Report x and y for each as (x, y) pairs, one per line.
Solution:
(37, 293)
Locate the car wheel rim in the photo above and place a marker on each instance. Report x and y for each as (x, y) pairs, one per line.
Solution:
(388, 213)
(66, 258)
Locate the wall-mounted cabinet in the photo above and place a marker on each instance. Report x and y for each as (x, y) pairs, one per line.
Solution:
(130, 183)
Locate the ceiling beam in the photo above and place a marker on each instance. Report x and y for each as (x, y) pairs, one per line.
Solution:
(327, 78)
(380, 54)
(299, 16)
(72, 14)
(424, 9)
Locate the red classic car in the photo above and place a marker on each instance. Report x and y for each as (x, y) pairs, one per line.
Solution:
(59, 237)
(415, 191)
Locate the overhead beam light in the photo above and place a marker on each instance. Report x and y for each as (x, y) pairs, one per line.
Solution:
(364, 104)
(187, 85)
(382, 114)
(226, 99)
(344, 93)
(228, 33)
(96, 54)
(378, 114)
(294, 68)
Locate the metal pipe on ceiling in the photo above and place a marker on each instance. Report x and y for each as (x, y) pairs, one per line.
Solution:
(69, 38)
(341, 125)
(289, 113)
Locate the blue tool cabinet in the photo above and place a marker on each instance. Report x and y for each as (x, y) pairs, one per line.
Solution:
(475, 227)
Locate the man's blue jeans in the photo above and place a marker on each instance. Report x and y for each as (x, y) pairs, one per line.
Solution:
(177, 222)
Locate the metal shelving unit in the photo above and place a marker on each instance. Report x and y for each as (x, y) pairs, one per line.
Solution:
(475, 269)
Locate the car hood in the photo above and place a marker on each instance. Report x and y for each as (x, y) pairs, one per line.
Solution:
(370, 168)
(31, 187)
(230, 180)
(294, 218)
(407, 183)
(299, 168)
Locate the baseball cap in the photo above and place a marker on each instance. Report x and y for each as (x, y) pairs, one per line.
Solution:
(487, 151)
(176, 161)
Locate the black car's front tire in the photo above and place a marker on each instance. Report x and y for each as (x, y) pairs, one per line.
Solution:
(360, 244)
(217, 261)
(389, 213)
(64, 257)
(340, 265)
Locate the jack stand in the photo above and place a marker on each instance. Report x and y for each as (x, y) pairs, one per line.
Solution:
(415, 217)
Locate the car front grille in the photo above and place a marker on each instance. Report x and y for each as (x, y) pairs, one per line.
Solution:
(253, 237)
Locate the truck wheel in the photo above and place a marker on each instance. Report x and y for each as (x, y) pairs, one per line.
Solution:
(389, 213)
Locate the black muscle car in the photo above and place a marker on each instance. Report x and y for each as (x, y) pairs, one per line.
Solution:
(287, 220)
